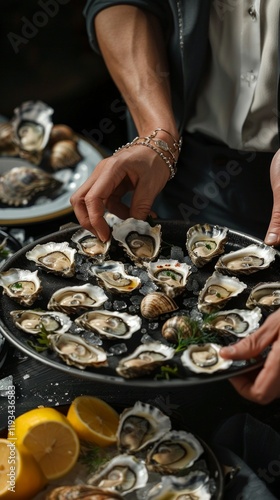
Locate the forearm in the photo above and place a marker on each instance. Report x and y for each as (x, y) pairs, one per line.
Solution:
(133, 49)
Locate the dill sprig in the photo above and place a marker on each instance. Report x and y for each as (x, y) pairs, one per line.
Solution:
(167, 372)
(92, 457)
(194, 338)
(42, 342)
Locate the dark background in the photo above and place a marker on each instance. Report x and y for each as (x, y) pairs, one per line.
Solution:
(45, 55)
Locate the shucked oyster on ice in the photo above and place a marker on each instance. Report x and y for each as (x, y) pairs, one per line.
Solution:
(112, 276)
(73, 299)
(239, 322)
(246, 260)
(217, 291)
(82, 491)
(144, 360)
(22, 285)
(204, 358)
(34, 322)
(77, 352)
(110, 324)
(89, 245)
(266, 296)
(139, 426)
(58, 258)
(139, 239)
(169, 275)
(193, 486)
(204, 242)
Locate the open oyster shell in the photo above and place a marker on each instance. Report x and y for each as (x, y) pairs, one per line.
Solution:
(89, 245)
(204, 242)
(112, 276)
(139, 239)
(193, 486)
(239, 322)
(82, 491)
(110, 324)
(32, 125)
(246, 260)
(144, 360)
(58, 258)
(21, 285)
(204, 358)
(34, 322)
(74, 299)
(156, 303)
(175, 451)
(169, 275)
(123, 473)
(139, 426)
(266, 296)
(77, 352)
(217, 291)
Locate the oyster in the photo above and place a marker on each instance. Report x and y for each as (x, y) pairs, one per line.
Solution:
(82, 491)
(76, 351)
(112, 276)
(58, 258)
(204, 358)
(7, 144)
(144, 360)
(193, 486)
(32, 125)
(247, 260)
(217, 291)
(20, 185)
(156, 303)
(22, 285)
(175, 451)
(169, 275)
(89, 245)
(35, 322)
(73, 299)
(139, 426)
(239, 322)
(123, 473)
(204, 242)
(266, 296)
(140, 241)
(110, 324)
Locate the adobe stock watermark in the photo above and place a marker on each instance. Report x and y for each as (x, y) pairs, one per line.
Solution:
(11, 475)
(31, 27)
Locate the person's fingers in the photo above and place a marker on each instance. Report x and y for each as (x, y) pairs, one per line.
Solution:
(273, 233)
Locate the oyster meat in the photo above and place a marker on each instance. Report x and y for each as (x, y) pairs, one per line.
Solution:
(77, 352)
(139, 426)
(193, 486)
(217, 291)
(110, 324)
(34, 322)
(32, 125)
(204, 242)
(112, 276)
(266, 296)
(73, 299)
(175, 451)
(89, 245)
(239, 322)
(156, 303)
(140, 240)
(58, 258)
(246, 260)
(21, 285)
(169, 275)
(82, 491)
(204, 358)
(145, 359)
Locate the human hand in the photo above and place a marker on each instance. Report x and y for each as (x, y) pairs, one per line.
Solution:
(137, 169)
(273, 232)
(261, 386)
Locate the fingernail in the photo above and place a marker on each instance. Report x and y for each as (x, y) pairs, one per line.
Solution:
(271, 238)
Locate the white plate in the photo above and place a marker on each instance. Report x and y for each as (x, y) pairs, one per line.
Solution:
(43, 208)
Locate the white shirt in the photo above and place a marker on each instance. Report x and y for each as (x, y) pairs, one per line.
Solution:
(237, 103)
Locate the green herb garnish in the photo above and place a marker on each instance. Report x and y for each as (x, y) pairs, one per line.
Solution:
(92, 457)
(42, 342)
(167, 372)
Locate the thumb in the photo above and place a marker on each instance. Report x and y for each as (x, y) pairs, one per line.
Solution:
(273, 233)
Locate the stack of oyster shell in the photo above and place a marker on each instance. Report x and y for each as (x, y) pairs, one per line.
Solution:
(131, 266)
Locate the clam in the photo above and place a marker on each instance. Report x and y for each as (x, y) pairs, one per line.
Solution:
(21, 285)
(20, 185)
(77, 352)
(204, 242)
(58, 258)
(145, 359)
(179, 326)
(266, 296)
(169, 275)
(74, 299)
(204, 359)
(89, 245)
(156, 303)
(110, 324)
(193, 486)
(246, 260)
(217, 291)
(112, 276)
(139, 426)
(60, 132)
(64, 154)
(32, 125)
(175, 451)
(123, 473)
(34, 322)
(139, 239)
(239, 322)
(82, 491)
